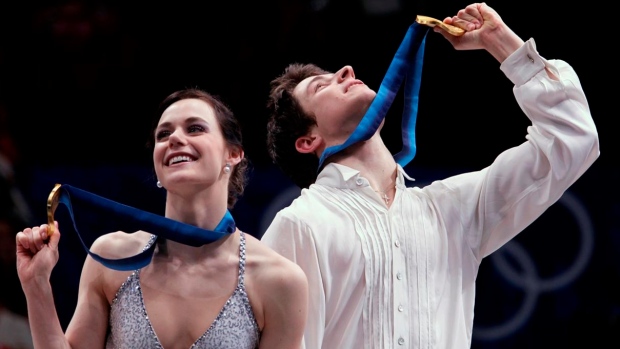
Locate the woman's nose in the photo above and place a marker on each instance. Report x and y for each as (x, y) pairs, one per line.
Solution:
(176, 138)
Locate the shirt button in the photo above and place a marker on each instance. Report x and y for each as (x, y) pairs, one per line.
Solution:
(399, 276)
(397, 243)
(401, 308)
(401, 341)
(359, 181)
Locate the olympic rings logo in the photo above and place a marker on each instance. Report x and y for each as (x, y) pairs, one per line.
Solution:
(527, 279)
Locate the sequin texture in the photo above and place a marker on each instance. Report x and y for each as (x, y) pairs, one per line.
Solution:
(234, 327)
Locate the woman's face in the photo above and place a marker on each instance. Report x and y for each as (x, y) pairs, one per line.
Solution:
(189, 146)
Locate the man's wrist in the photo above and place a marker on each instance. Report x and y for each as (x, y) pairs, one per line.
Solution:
(502, 42)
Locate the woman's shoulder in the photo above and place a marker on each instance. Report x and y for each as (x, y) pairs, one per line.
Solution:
(120, 244)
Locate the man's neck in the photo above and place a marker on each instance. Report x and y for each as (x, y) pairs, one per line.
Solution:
(373, 159)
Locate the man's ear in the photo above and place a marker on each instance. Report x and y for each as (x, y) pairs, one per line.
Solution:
(235, 154)
(308, 144)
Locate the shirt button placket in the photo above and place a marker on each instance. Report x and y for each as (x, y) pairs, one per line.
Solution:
(400, 316)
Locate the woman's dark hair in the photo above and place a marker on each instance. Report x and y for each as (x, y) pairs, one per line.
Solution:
(231, 130)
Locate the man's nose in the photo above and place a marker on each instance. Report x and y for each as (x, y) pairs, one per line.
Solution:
(344, 73)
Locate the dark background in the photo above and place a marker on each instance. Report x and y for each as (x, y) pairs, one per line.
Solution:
(80, 82)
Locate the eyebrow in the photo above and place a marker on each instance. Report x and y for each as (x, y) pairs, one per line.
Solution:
(189, 120)
(313, 80)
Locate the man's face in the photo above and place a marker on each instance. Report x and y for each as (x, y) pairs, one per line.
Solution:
(337, 101)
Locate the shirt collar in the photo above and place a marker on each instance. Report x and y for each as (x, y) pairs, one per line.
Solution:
(341, 176)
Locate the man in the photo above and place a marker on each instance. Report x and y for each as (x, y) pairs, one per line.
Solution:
(395, 267)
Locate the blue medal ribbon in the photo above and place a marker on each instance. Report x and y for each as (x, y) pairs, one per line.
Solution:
(406, 65)
(131, 219)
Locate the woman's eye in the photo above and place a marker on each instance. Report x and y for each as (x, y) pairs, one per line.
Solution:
(319, 86)
(161, 135)
(195, 128)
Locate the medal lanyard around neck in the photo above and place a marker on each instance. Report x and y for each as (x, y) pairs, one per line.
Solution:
(406, 65)
(130, 219)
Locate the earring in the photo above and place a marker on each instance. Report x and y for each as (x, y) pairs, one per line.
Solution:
(159, 184)
(227, 168)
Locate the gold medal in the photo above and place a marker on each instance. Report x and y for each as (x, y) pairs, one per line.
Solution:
(431, 22)
(52, 203)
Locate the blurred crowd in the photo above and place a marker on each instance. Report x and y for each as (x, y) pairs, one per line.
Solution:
(15, 214)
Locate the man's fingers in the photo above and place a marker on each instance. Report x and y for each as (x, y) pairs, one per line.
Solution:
(451, 38)
(466, 24)
(475, 17)
(475, 12)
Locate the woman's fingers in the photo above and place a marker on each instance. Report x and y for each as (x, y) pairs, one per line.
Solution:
(53, 240)
(33, 239)
(22, 241)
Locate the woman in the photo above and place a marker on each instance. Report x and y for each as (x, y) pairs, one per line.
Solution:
(232, 293)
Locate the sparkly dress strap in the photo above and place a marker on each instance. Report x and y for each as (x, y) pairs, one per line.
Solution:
(241, 281)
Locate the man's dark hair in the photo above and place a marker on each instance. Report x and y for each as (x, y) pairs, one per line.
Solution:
(288, 121)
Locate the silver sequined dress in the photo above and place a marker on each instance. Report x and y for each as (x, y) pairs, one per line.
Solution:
(234, 327)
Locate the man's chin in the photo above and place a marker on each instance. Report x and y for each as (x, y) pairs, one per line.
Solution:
(381, 126)
(369, 99)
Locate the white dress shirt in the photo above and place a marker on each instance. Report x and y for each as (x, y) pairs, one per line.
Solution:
(404, 277)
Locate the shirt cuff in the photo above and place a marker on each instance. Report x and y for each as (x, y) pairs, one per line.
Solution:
(523, 64)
